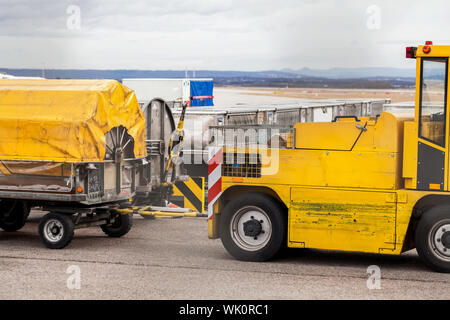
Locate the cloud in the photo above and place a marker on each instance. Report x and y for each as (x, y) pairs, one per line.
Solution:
(214, 34)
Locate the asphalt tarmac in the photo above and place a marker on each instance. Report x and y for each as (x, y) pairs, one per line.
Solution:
(174, 259)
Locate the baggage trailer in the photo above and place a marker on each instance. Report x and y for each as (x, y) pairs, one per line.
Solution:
(365, 184)
(75, 148)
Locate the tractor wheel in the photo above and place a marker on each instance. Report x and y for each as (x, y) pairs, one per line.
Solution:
(253, 227)
(432, 238)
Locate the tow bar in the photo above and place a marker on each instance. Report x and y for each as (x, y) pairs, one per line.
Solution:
(161, 212)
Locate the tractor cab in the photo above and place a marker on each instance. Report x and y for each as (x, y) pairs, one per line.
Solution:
(426, 139)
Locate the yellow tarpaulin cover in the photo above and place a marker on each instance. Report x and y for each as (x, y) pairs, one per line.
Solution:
(66, 120)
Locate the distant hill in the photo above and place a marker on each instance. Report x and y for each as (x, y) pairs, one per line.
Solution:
(353, 73)
(333, 78)
(121, 74)
(333, 73)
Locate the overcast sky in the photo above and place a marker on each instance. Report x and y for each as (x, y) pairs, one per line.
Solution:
(216, 34)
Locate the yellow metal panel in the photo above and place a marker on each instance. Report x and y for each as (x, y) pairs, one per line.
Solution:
(346, 169)
(406, 200)
(351, 169)
(386, 133)
(282, 191)
(382, 134)
(213, 227)
(410, 183)
(447, 142)
(66, 120)
(349, 220)
(436, 51)
(339, 135)
(418, 85)
(214, 220)
(404, 213)
(410, 152)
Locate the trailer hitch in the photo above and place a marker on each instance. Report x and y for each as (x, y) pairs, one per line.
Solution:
(161, 212)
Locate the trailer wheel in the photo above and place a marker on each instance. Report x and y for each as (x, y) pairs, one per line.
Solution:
(13, 215)
(56, 230)
(253, 227)
(432, 238)
(120, 227)
(27, 209)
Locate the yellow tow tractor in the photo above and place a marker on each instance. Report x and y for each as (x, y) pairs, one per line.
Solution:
(367, 184)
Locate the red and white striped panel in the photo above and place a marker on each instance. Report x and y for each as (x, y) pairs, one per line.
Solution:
(214, 177)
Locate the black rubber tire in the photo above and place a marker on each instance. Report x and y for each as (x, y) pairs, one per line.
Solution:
(120, 227)
(17, 216)
(426, 226)
(27, 209)
(68, 230)
(278, 219)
